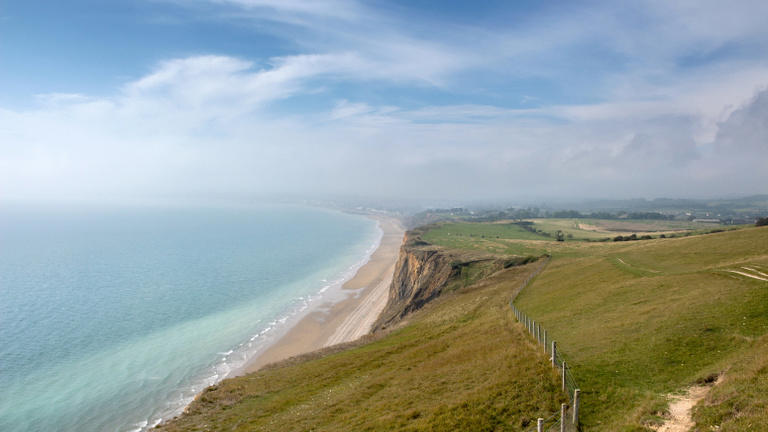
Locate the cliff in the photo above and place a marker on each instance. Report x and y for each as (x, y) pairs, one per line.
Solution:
(423, 272)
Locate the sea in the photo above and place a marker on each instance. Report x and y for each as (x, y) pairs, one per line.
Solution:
(113, 319)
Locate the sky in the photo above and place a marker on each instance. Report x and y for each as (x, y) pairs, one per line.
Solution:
(149, 101)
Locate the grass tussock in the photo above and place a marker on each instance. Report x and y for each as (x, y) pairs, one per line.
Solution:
(460, 363)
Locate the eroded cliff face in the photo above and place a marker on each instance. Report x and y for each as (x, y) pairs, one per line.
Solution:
(424, 271)
(420, 275)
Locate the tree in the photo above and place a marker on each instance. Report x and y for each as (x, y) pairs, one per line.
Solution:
(762, 221)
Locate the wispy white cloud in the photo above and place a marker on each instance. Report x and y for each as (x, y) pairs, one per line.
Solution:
(283, 9)
(203, 127)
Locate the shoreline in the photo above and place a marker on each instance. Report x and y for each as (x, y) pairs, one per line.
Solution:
(337, 321)
(341, 314)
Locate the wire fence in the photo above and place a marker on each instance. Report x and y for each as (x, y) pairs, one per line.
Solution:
(567, 419)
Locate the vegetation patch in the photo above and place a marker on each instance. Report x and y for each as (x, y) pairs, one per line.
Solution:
(460, 363)
(640, 320)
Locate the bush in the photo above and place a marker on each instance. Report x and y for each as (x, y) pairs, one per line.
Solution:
(762, 221)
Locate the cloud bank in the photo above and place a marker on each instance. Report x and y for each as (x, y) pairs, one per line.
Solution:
(676, 106)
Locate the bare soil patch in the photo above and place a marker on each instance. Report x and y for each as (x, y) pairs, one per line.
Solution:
(680, 408)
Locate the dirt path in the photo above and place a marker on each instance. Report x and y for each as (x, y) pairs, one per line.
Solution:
(748, 275)
(755, 271)
(639, 268)
(680, 408)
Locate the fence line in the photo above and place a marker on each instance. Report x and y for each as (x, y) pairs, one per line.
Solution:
(568, 417)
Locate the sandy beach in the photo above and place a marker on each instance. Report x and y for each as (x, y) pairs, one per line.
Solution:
(350, 318)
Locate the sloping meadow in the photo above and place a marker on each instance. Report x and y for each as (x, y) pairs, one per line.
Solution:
(643, 320)
(459, 363)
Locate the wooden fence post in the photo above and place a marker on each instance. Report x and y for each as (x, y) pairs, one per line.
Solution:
(545, 340)
(540, 425)
(576, 406)
(538, 333)
(564, 389)
(554, 354)
(563, 408)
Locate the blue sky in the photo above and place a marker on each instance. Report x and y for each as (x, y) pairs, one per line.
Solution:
(234, 99)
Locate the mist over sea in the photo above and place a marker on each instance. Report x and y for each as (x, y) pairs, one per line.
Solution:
(111, 319)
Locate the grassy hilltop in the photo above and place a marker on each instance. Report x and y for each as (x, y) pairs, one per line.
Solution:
(637, 321)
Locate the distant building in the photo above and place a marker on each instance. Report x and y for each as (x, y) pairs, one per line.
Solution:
(706, 220)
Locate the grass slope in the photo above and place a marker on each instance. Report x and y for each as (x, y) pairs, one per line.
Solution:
(739, 403)
(643, 319)
(639, 320)
(460, 363)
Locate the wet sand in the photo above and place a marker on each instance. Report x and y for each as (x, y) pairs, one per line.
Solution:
(333, 323)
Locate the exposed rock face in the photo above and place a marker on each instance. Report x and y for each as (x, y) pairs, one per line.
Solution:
(420, 275)
(423, 271)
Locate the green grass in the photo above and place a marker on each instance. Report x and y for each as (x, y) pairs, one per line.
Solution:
(460, 363)
(495, 238)
(642, 319)
(482, 230)
(569, 227)
(739, 403)
(648, 225)
(609, 228)
(511, 239)
(639, 320)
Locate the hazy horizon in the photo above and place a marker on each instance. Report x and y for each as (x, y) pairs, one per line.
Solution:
(236, 101)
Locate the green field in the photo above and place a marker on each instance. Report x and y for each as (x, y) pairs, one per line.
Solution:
(495, 238)
(595, 229)
(461, 363)
(509, 238)
(643, 319)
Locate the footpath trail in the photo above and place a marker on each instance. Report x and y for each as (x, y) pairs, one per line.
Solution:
(749, 275)
(680, 408)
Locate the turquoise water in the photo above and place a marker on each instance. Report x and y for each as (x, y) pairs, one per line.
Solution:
(111, 320)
